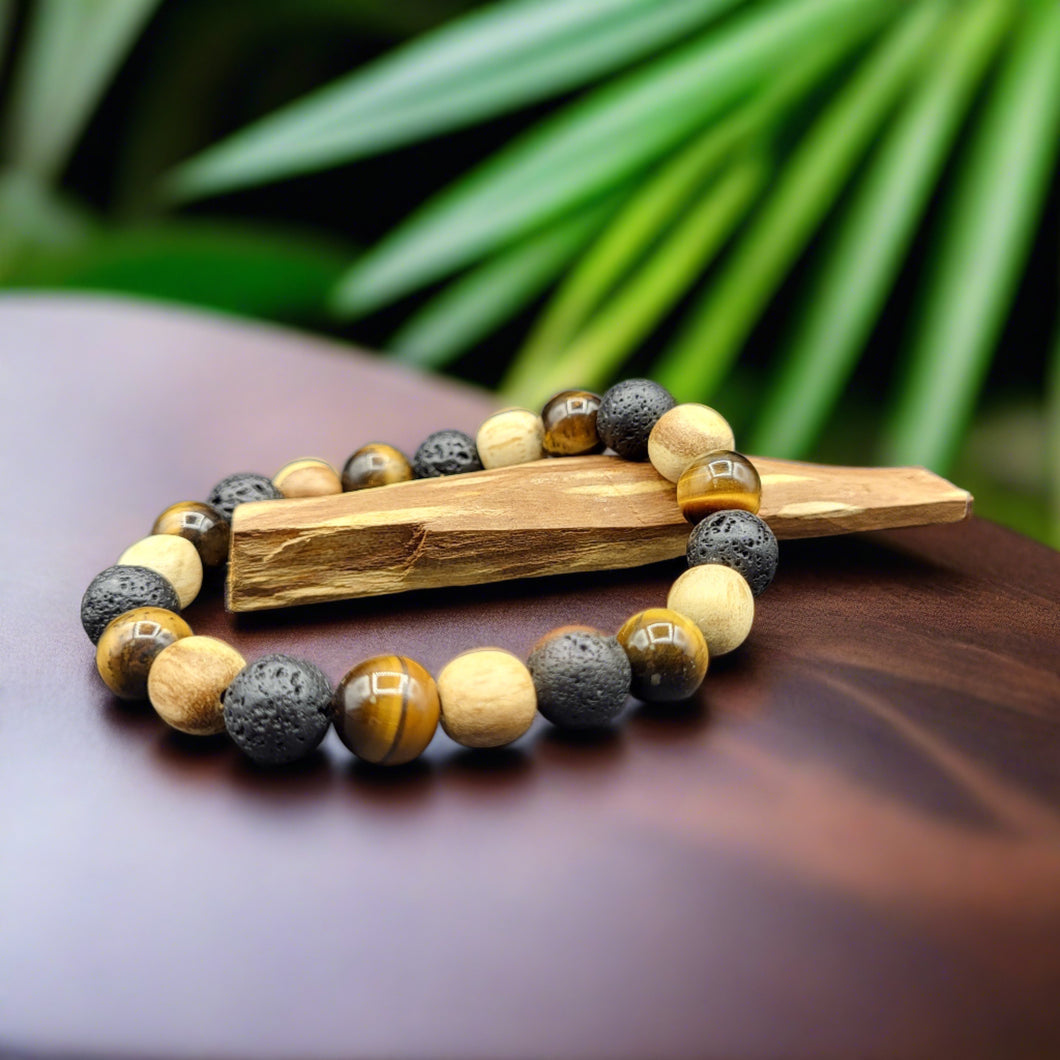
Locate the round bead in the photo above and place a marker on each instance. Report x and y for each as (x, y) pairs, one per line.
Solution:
(570, 423)
(239, 488)
(716, 482)
(667, 655)
(187, 681)
(308, 477)
(446, 452)
(375, 464)
(204, 526)
(739, 540)
(581, 675)
(122, 588)
(386, 710)
(278, 709)
(628, 412)
(130, 644)
(682, 434)
(487, 698)
(509, 437)
(718, 601)
(175, 558)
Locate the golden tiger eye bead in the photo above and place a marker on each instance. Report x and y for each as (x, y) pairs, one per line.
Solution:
(201, 524)
(719, 601)
(386, 710)
(376, 464)
(488, 698)
(716, 482)
(569, 421)
(175, 558)
(667, 654)
(684, 433)
(509, 437)
(187, 681)
(131, 643)
(308, 477)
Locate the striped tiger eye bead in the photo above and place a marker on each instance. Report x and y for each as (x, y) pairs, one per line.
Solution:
(131, 643)
(386, 710)
(718, 482)
(667, 654)
(376, 464)
(204, 526)
(570, 423)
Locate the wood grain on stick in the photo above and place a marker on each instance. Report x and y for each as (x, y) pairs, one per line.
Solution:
(547, 517)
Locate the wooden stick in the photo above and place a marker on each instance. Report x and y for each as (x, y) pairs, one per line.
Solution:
(548, 517)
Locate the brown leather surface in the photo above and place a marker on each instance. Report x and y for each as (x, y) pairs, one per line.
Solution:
(851, 846)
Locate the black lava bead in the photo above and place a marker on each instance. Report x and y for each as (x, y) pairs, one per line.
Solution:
(446, 453)
(739, 540)
(581, 676)
(239, 488)
(628, 411)
(278, 709)
(122, 588)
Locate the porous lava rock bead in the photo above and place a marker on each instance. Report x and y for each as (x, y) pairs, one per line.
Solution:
(131, 643)
(239, 488)
(447, 452)
(627, 413)
(739, 540)
(582, 677)
(122, 588)
(201, 524)
(278, 709)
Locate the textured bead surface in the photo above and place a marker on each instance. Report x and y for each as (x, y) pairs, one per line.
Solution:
(582, 677)
(386, 710)
(375, 464)
(130, 644)
(278, 709)
(684, 433)
(201, 524)
(667, 655)
(719, 601)
(628, 412)
(239, 488)
(446, 452)
(308, 477)
(569, 420)
(717, 482)
(487, 698)
(175, 558)
(121, 588)
(509, 437)
(739, 540)
(187, 681)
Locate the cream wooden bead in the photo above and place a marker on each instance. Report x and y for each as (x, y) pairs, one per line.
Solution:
(488, 698)
(684, 433)
(175, 558)
(187, 680)
(308, 477)
(719, 601)
(511, 436)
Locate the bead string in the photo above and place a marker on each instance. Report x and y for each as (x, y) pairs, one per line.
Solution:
(386, 709)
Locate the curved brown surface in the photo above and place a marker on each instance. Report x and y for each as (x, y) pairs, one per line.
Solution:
(851, 846)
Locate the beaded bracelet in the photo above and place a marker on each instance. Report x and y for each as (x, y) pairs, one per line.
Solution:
(387, 708)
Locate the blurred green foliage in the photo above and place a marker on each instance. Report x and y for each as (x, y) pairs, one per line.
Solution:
(833, 218)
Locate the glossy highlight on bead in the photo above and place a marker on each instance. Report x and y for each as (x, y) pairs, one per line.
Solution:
(717, 481)
(569, 420)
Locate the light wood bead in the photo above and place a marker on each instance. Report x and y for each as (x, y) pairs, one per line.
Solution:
(308, 477)
(509, 437)
(187, 680)
(488, 698)
(684, 433)
(719, 601)
(175, 558)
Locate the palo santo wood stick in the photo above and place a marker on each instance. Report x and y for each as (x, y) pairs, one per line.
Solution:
(546, 517)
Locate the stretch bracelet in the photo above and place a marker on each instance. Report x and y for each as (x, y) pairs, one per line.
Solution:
(386, 709)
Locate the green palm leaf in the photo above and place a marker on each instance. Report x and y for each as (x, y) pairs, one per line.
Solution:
(589, 147)
(874, 234)
(1053, 438)
(493, 61)
(806, 190)
(984, 240)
